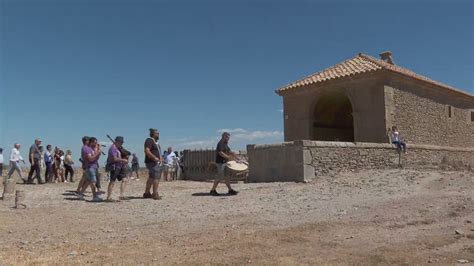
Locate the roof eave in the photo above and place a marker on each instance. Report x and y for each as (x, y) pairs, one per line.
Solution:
(296, 89)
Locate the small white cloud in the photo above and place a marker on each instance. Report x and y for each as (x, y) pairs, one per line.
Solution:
(231, 131)
(243, 134)
(239, 137)
(254, 135)
(179, 140)
(199, 142)
(194, 144)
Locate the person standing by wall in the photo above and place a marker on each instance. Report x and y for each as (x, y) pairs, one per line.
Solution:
(34, 158)
(168, 167)
(177, 167)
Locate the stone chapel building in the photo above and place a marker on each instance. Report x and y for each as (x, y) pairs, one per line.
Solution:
(358, 99)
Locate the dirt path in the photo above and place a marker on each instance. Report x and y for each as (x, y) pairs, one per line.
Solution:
(371, 217)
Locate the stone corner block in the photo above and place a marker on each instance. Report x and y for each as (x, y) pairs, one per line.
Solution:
(308, 172)
(307, 157)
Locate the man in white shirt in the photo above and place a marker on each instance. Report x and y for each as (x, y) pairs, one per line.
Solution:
(15, 158)
(1, 162)
(169, 164)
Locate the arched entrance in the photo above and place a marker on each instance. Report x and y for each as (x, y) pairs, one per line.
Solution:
(332, 118)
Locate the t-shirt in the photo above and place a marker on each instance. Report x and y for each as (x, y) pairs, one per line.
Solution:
(82, 159)
(47, 157)
(169, 159)
(34, 150)
(15, 155)
(114, 153)
(154, 149)
(86, 150)
(395, 136)
(1, 158)
(221, 146)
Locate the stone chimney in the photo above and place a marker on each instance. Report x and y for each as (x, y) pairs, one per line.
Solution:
(387, 57)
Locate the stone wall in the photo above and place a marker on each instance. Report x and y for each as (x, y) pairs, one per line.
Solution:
(421, 114)
(278, 162)
(301, 161)
(333, 157)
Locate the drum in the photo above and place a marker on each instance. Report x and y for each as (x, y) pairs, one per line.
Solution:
(238, 170)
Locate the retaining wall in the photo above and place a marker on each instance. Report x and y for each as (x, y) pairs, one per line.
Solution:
(303, 160)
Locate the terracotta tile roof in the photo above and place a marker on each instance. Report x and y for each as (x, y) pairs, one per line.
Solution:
(360, 64)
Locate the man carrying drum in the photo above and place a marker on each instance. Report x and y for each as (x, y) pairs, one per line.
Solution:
(223, 155)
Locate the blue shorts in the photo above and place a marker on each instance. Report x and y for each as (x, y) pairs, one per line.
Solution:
(91, 175)
(154, 171)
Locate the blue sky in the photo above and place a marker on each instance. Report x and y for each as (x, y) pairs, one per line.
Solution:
(192, 68)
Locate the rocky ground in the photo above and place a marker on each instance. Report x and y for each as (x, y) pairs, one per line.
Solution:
(370, 217)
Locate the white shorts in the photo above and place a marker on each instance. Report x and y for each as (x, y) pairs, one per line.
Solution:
(168, 168)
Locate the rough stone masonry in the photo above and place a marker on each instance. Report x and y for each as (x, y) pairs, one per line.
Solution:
(301, 161)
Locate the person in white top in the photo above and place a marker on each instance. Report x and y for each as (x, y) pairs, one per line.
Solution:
(42, 163)
(169, 164)
(15, 158)
(396, 139)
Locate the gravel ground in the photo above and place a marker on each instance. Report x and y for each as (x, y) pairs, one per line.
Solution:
(368, 217)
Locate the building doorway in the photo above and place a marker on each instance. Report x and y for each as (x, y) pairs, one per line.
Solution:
(332, 119)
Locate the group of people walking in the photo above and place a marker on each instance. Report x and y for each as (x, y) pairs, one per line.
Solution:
(117, 166)
(56, 165)
(155, 162)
